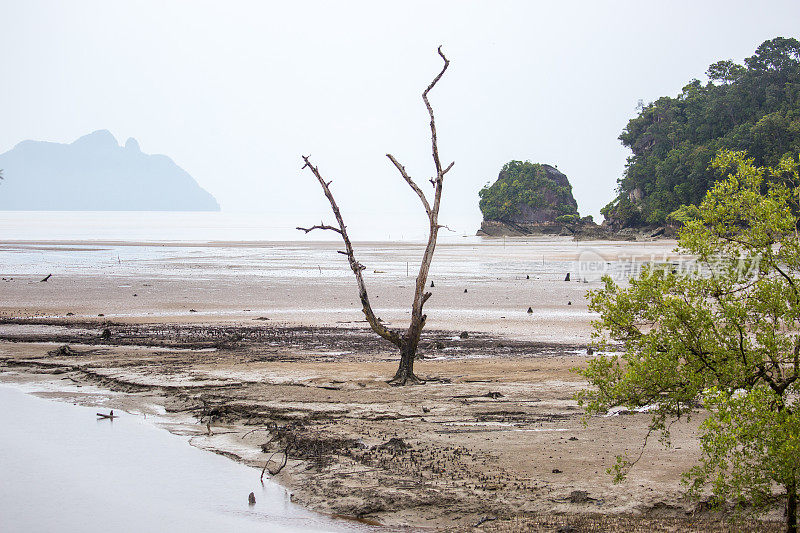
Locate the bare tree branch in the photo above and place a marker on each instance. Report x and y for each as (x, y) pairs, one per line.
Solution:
(320, 226)
(434, 145)
(411, 183)
(355, 266)
(427, 257)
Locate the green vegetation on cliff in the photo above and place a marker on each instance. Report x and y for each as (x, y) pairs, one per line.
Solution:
(528, 192)
(753, 107)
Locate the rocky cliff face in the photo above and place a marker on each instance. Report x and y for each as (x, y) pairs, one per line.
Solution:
(95, 173)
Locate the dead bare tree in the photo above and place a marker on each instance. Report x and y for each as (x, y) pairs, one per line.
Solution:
(406, 341)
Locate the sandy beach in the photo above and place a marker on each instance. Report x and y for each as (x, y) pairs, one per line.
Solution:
(270, 356)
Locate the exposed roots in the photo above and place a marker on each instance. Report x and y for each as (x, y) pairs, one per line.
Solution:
(405, 377)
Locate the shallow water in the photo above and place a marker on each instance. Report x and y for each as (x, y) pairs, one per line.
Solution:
(229, 245)
(64, 470)
(468, 260)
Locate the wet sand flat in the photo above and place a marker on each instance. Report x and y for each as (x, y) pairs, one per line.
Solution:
(483, 285)
(494, 437)
(277, 362)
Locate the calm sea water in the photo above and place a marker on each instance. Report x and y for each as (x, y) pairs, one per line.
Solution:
(209, 226)
(464, 260)
(64, 470)
(218, 245)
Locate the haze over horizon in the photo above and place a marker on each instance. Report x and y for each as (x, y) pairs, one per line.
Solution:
(235, 93)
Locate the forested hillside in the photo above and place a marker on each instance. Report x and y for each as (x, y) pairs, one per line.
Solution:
(753, 107)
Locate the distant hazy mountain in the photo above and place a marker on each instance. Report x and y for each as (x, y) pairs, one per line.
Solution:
(95, 173)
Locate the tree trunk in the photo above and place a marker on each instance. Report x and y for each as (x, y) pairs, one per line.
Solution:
(791, 506)
(405, 372)
(408, 352)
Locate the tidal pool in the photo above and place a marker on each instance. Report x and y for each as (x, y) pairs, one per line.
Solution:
(62, 469)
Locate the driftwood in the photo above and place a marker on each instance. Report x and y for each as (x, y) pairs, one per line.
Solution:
(285, 453)
(45, 279)
(109, 416)
(484, 520)
(406, 341)
(64, 349)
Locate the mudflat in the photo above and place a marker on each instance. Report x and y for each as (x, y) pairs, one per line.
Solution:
(482, 285)
(280, 366)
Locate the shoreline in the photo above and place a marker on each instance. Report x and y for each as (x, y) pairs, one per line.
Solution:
(494, 438)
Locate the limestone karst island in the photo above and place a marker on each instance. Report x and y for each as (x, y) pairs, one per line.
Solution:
(95, 173)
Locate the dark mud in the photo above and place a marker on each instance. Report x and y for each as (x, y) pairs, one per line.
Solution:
(272, 342)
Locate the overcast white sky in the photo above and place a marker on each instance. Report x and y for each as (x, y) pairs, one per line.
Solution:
(235, 92)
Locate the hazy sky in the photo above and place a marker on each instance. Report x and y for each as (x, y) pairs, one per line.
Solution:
(235, 92)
